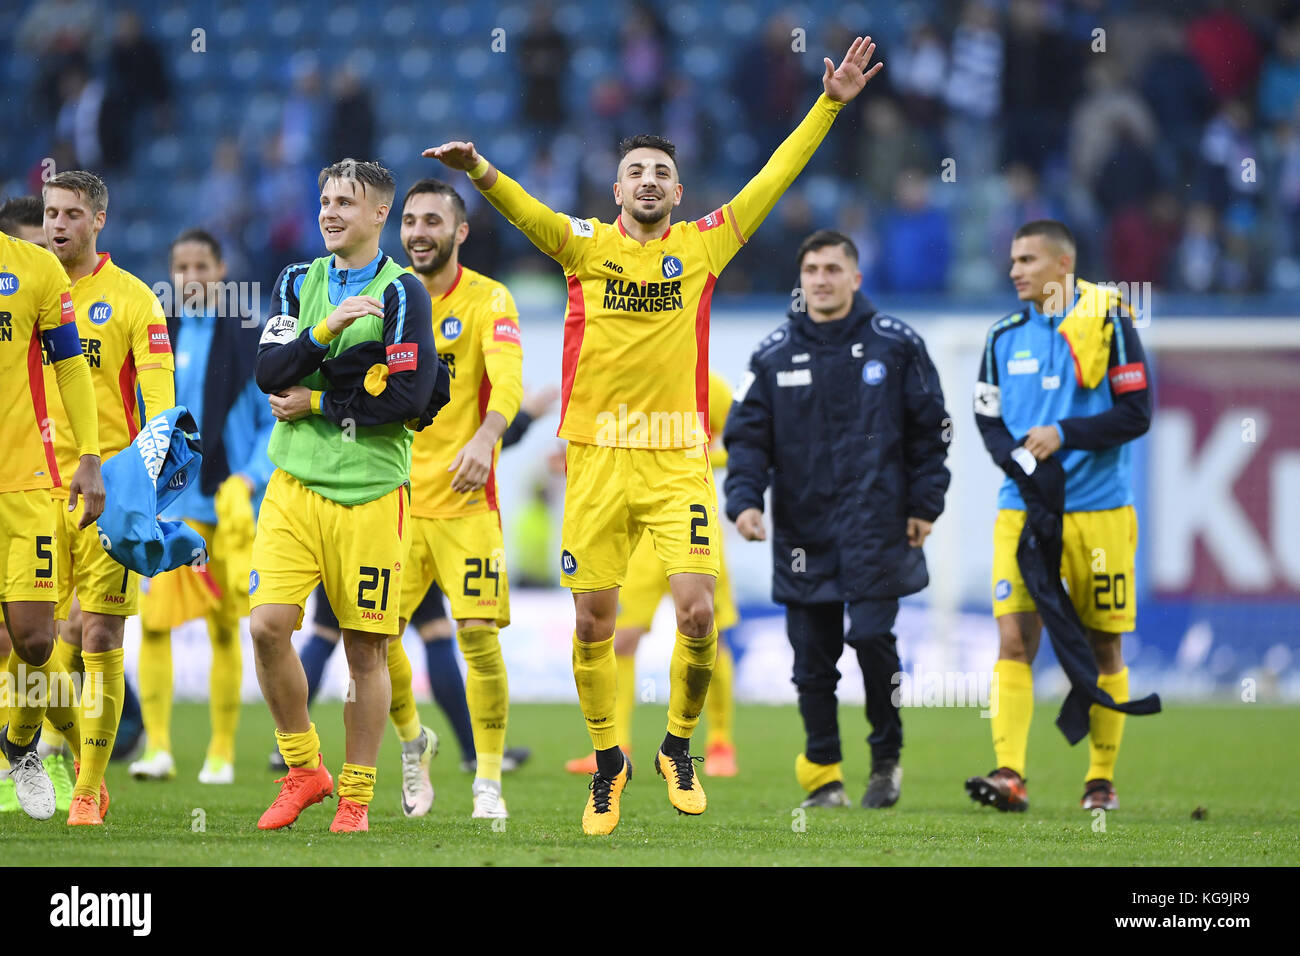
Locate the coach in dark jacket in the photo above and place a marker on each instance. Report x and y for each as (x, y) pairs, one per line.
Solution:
(842, 413)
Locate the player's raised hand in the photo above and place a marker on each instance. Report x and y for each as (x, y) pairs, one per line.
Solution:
(351, 309)
(750, 525)
(846, 81)
(88, 482)
(456, 155)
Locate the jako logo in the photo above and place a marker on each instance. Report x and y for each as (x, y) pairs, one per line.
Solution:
(568, 564)
(672, 267)
(99, 313)
(134, 910)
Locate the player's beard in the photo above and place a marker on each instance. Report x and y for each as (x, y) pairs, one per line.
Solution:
(436, 263)
(70, 251)
(648, 217)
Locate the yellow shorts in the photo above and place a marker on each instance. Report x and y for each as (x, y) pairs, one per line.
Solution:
(354, 551)
(101, 584)
(29, 531)
(465, 557)
(188, 593)
(647, 584)
(1097, 566)
(612, 495)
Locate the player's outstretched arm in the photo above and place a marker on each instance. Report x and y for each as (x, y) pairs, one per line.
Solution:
(842, 84)
(552, 232)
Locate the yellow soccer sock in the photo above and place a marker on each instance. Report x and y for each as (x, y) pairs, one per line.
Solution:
(223, 690)
(402, 711)
(689, 673)
(1013, 709)
(357, 783)
(5, 694)
(1106, 728)
(625, 699)
(53, 698)
(596, 674)
(300, 749)
(487, 693)
(102, 696)
(68, 657)
(156, 687)
(720, 706)
(813, 775)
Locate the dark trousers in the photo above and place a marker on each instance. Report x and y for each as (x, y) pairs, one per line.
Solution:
(816, 632)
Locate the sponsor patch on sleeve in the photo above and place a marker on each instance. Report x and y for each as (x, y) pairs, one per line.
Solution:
(506, 330)
(402, 357)
(66, 312)
(988, 400)
(159, 340)
(711, 221)
(1128, 378)
(582, 228)
(279, 329)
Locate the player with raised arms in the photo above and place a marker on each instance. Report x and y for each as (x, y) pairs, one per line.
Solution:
(635, 409)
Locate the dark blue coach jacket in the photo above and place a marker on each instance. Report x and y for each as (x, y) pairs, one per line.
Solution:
(845, 420)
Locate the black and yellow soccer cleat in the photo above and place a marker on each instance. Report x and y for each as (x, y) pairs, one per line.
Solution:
(601, 814)
(1003, 788)
(684, 790)
(1099, 795)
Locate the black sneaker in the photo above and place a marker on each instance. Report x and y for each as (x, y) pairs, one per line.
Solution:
(828, 795)
(514, 758)
(885, 785)
(276, 761)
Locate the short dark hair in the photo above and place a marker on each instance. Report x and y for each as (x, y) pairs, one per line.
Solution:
(368, 174)
(647, 141)
(1058, 232)
(82, 182)
(21, 211)
(196, 235)
(438, 187)
(823, 238)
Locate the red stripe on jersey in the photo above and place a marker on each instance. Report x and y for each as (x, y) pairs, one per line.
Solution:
(702, 353)
(36, 382)
(624, 231)
(484, 395)
(1078, 369)
(460, 269)
(401, 511)
(1128, 378)
(208, 581)
(103, 261)
(575, 323)
(126, 385)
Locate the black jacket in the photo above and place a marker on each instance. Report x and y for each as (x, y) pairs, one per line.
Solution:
(845, 419)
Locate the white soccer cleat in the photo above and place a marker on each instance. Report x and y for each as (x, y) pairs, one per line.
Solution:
(488, 802)
(32, 785)
(217, 771)
(154, 765)
(417, 790)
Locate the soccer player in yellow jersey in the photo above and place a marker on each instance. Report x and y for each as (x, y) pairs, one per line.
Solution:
(640, 597)
(36, 310)
(635, 395)
(455, 534)
(124, 335)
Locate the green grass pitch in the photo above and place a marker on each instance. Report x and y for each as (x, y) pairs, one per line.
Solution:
(1237, 762)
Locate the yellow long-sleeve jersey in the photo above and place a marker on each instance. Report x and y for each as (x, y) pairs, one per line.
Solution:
(636, 331)
(35, 311)
(476, 329)
(123, 332)
(719, 406)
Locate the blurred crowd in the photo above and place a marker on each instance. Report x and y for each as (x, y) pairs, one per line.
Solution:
(1166, 135)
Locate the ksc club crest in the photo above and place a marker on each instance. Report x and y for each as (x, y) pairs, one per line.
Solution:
(451, 328)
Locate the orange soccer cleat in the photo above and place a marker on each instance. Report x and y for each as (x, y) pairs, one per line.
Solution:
(302, 789)
(84, 812)
(1003, 788)
(720, 760)
(351, 817)
(103, 794)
